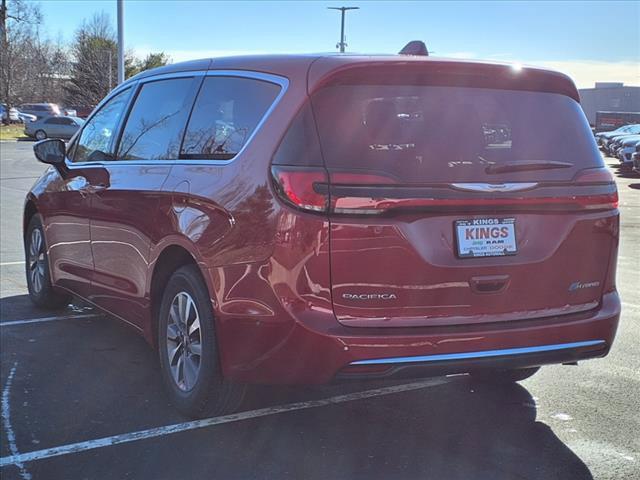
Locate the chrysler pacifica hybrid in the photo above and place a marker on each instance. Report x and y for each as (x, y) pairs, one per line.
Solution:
(318, 218)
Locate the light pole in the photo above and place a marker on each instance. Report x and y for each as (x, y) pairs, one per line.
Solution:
(342, 42)
(120, 41)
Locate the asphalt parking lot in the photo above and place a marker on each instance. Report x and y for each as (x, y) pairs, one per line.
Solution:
(82, 398)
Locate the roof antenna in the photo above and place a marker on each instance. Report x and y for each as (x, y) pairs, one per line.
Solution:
(415, 47)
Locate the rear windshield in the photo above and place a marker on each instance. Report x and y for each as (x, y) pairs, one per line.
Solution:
(424, 134)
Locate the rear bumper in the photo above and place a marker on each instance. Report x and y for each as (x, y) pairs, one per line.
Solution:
(402, 367)
(316, 349)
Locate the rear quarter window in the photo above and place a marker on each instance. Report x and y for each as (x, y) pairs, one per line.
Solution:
(225, 115)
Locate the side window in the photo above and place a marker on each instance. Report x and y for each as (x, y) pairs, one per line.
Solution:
(53, 120)
(225, 114)
(96, 140)
(155, 125)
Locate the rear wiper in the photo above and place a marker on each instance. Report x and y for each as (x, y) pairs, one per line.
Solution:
(526, 165)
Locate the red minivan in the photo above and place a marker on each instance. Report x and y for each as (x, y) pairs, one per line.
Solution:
(315, 218)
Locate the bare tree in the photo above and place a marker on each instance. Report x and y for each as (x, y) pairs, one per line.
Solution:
(18, 22)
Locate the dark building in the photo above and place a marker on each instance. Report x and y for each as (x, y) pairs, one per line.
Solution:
(610, 97)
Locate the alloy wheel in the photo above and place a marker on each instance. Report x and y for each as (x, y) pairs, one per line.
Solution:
(37, 262)
(184, 341)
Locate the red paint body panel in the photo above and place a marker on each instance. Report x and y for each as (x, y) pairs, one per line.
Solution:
(121, 245)
(277, 274)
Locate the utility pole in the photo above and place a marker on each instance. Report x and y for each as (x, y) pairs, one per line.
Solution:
(120, 41)
(109, 69)
(342, 42)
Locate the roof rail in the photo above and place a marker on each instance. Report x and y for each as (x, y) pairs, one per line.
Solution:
(415, 47)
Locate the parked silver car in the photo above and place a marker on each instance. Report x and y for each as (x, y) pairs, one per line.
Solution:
(56, 127)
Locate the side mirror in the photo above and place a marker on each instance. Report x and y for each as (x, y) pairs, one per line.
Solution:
(51, 151)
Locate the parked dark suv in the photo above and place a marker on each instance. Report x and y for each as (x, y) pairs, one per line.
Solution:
(308, 219)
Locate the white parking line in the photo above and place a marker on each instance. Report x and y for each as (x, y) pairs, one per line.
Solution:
(4, 264)
(13, 323)
(6, 418)
(236, 417)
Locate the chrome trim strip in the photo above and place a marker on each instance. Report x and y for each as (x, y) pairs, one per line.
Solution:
(494, 187)
(481, 354)
(278, 80)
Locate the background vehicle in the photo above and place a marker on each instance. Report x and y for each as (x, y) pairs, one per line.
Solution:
(606, 139)
(303, 219)
(53, 127)
(636, 160)
(8, 114)
(70, 112)
(614, 143)
(626, 148)
(40, 110)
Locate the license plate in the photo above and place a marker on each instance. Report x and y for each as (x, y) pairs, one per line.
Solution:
(486, 237)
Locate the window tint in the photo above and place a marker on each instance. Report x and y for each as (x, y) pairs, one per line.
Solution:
(154, 128)
(421, 134)
(225, 114)
(97, 137)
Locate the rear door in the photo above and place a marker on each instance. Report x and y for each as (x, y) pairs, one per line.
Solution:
(457, 204)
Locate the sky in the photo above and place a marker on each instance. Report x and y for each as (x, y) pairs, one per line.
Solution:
(590, 41)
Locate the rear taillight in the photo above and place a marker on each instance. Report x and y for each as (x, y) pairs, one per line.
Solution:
(365, 194)
(308, 188)
(593, 177)
(302, 187)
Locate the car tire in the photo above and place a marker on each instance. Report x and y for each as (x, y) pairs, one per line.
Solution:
(502, 377)
(41, 135)
(41, 291)
(188, 349)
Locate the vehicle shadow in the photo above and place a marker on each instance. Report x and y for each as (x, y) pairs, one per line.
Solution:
(458, 430)
(620, 170)
(20, 307)
(105, 381)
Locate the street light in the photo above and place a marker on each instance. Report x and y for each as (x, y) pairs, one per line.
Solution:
(342, 42)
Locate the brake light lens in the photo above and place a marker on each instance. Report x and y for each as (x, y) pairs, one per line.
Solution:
(302, 187)
(595, 176)
(598, 176)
